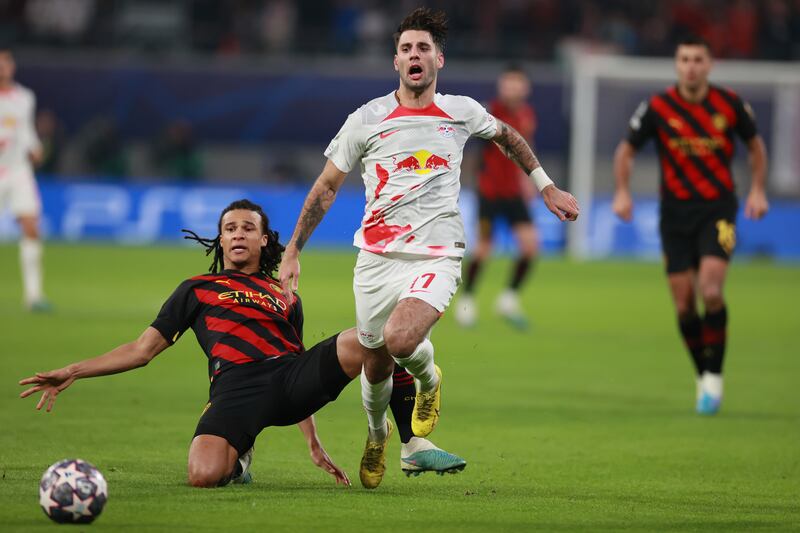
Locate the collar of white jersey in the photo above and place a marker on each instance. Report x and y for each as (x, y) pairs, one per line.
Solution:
(399, 110)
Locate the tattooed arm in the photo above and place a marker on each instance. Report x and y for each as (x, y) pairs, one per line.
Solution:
(516, 148)
(319, 200)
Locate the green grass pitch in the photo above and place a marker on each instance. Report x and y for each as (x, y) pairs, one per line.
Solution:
(586, 422)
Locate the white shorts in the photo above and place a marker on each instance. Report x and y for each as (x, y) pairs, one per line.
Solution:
(382, 280)
(19, 193)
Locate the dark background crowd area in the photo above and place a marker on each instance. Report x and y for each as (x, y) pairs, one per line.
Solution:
(525, 29)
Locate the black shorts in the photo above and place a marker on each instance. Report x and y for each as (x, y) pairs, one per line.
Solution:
(694, 230)
(277, 392)
(513, 210)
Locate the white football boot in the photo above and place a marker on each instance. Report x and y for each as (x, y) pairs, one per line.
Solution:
(420, 455)
(245, 460)
(466, 311)
(508, 307)
(711, 396)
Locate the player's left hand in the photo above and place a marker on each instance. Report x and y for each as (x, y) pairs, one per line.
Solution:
(320, 458)
(756, 205)
(562, 204)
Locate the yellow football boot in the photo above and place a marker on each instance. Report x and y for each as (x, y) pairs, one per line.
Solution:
(426, 409)
(373, 462)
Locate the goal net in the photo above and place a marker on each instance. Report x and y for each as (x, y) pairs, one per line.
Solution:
(606, 91)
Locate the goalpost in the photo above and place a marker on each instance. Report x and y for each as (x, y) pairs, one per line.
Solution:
(605, 93)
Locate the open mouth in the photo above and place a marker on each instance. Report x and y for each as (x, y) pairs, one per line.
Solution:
(415, 72)
(238, 248)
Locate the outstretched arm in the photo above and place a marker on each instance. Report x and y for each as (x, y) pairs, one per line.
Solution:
(318, 454)
(515, 147)
(623, 164)
(756, 205)
(319, 200)
(122, 358)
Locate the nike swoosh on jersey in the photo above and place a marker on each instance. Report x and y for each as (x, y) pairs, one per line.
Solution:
(386, 134)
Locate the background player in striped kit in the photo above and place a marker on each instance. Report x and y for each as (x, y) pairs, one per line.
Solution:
(19, 150)
(409, 145)
(693, 124)
(504, 193)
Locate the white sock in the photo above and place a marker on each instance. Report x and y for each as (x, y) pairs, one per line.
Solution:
(375, 397)
(712, 384)
(30, 259)
(420, 365)
(416, 444)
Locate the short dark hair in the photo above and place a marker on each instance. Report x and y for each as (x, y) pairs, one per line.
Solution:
(515, 68)
(270, 254)
(693, 40)
(424, 19)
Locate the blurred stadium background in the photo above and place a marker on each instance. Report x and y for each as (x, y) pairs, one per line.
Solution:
(148, 108)
(156, 114)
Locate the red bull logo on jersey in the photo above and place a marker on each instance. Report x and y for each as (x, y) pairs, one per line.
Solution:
(378, 234)
(421, 162)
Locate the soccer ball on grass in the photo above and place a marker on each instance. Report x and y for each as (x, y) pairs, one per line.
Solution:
(72, 491)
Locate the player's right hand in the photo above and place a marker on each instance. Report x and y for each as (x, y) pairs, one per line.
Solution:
(623, 205)
(51, 383)
(320, 458)
(289, 274)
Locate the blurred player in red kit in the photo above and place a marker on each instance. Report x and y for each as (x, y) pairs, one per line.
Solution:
(503, 193)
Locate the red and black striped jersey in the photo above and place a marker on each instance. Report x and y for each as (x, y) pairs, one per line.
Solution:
(695, 141)
(237, 318)
(500, 177)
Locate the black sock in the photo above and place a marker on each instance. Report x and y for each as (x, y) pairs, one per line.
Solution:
(402, 403)
(521, 268)
(692, 332)
(714, 333)
(473, 269)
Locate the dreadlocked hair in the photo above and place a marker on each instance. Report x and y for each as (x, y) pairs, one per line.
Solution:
(425, 19)
(270, 254)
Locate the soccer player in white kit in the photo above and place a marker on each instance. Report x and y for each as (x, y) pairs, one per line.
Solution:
(409, 145)
(19, 149)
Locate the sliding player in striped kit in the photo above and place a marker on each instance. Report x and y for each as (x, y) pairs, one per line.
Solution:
(409, 146)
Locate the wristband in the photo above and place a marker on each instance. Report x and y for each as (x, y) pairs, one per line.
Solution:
(539, 177)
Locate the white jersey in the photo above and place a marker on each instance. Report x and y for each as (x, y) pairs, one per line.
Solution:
(411, 166)
(17, 132)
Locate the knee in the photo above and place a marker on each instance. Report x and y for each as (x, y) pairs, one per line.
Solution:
(399, 342)
(378, 365)
(529, 248)
(528, 252)
(712, 296)
(483, 250)
(685, 308)
(205, 476)
(29, 228)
